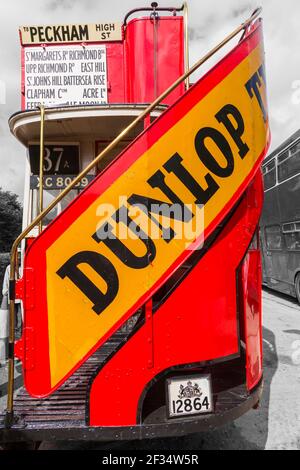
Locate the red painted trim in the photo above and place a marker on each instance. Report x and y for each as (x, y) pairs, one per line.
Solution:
(252, 309)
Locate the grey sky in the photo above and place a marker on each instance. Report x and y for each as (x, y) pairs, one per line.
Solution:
(209, 22)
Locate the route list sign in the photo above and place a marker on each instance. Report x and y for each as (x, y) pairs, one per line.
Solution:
(65, 75)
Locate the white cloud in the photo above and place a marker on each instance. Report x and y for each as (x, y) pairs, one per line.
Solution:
(209, 23)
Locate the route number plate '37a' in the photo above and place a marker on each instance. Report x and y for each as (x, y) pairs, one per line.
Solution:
(189, 396)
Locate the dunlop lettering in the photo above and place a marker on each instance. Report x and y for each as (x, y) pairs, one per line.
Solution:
(223, 116)
(105, 234)
(101, 266)
(153, 206)
(174, 165)
(206, 156)
(120, 249)
(253, 87)
(158, 181)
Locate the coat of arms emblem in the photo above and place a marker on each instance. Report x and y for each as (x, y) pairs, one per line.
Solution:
(190, 390)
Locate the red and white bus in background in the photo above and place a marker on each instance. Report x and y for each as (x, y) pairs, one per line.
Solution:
(141, 270)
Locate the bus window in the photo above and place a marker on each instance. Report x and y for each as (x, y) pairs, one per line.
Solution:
(289, 163)
(292, 241)
(274, 238)
(101, 145)
(49, 195)
(292, 236)
(269, 172)
(289, 228)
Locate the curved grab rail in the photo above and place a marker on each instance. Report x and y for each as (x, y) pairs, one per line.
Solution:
(39, 218)
(154, 8)
(41, 189)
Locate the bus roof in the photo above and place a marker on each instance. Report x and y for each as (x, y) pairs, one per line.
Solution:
(287, 143)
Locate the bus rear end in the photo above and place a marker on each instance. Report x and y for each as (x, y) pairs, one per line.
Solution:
(142, 295)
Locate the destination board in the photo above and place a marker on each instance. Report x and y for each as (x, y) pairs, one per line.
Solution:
(58, 34)
(65, 75)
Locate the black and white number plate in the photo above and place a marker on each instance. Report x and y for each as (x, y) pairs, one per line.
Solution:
(189, 396)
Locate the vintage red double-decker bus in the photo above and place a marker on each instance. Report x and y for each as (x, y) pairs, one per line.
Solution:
(141, 270)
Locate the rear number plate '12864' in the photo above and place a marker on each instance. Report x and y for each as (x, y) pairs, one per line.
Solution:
(189, 396)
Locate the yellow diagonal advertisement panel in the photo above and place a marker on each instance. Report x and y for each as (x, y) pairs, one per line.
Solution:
(126, 236)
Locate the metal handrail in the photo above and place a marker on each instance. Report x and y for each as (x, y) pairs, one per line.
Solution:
(154, 8)
(39, 218)
(186, 44)
(41, 188)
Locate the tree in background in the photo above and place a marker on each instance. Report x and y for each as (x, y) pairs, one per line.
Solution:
(10, 219)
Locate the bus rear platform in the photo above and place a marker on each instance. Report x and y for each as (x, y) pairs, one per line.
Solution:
(64, 414)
